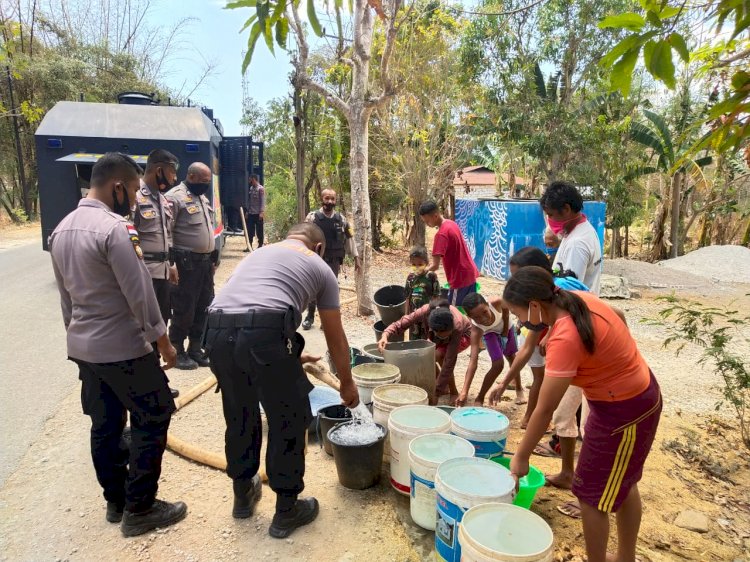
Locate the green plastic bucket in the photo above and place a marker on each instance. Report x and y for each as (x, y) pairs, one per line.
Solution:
(527, 486)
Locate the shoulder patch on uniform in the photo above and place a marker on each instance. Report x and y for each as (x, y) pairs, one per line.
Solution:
(133, 235)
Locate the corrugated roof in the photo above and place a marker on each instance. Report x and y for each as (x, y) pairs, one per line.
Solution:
(480, 175)
(119, 121)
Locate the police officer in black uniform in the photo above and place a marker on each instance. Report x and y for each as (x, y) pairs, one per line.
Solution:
(256, 355)
(339, 241)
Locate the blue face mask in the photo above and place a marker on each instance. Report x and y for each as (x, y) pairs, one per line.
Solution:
(534, 327)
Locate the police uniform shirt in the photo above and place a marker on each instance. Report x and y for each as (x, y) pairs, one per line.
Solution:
(106, 293)
(193, 221)
(349, 246)
(153, 221)
(277, 276)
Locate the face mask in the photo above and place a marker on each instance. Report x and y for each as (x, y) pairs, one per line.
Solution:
(556, 226)
(123, 209)
(534, 327)
(163, 183)
(418, 269)
(197, 188)
(329, 207)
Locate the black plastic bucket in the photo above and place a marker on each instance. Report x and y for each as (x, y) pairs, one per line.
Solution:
(380, 327)
(391, 303)
(358, 466)
(328, 417)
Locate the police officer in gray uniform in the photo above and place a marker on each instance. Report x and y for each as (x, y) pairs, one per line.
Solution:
(111, 315)
(194, 252)
(256, 355)
(153, 221)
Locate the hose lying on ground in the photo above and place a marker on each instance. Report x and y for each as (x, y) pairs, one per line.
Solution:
(218, 460)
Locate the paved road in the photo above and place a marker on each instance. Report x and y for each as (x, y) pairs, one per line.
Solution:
(34, 373)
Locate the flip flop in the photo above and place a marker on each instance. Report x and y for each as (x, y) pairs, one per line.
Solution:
(544, 450)
(571, 509)
(520, 401)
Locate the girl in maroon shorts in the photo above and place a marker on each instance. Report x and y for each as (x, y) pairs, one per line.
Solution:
(590, 346)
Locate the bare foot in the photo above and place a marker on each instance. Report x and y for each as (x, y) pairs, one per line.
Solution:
(479, 401)
(520, 398)
(562, 481)
(524, 423)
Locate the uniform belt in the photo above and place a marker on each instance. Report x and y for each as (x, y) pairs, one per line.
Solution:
(195, 256)
(250, 319)
(157, 257)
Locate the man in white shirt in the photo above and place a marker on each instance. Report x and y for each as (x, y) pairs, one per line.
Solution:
(579, 252)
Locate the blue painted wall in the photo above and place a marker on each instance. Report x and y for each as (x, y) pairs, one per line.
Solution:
(495, 230)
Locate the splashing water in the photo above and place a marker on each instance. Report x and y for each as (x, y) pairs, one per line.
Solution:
(363, 432)
(361, 413)
(357, 434)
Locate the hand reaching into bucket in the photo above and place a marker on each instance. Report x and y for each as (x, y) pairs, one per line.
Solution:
(382, 343)
(349, 394)
(519, 467)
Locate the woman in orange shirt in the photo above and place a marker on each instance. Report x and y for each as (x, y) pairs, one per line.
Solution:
(591, 347)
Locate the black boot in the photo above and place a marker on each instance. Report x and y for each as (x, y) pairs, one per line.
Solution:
(185, 362)
(198, 355)
(161, 514)
(246, 497)
(285, 522)
(307, 324)
(114, 511)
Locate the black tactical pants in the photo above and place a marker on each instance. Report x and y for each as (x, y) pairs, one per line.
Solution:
(255, 365)
(190, 300)
(335, 265)
(108, 391)
(163, 290)
(255, 228)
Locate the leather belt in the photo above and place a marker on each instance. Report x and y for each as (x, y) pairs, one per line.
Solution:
(157, 257)
(250, 319)
(200, 257)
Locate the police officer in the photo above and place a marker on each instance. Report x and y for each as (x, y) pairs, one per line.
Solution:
(256, 355)
(193, 249)
(339, 241)
(153, 221)
(111, 315)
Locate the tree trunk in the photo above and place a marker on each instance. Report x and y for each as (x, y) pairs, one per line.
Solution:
(674, 232)
(658, 246)
(626, 252)
(299, 142)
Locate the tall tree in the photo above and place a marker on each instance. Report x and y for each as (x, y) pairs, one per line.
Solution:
(364, 94)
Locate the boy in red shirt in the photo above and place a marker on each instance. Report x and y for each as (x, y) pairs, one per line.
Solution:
(450, 247)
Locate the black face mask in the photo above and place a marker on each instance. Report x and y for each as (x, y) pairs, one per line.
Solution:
(534, 327)
(329, 207)
(197, 188)
(122, 209)
(163, 183)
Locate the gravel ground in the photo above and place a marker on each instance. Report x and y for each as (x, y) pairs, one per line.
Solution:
(727, 264)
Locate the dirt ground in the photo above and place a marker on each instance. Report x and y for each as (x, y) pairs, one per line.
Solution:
(51, 507)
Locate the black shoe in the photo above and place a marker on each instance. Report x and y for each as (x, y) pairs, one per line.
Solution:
(175, 392)
(114, 511)
(307, 324)
(246, 500)
(200, 358)
(184, 362)
(161, 514)
(304, 511)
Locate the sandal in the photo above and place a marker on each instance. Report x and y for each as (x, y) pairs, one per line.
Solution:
(571, 509)
(544, 450)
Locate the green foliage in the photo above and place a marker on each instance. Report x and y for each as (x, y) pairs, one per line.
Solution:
(721, 333)
(281, 208)
(655, 35)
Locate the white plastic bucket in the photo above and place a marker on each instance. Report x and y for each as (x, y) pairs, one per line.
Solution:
(494, 532)
(369, 376)
(387, 398)
(486, 429)
(426, 452)
(460, 485)
(404, 424)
